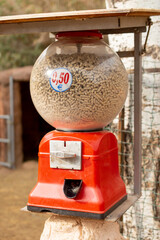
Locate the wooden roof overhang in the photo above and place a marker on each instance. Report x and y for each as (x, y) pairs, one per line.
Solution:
(107, 21)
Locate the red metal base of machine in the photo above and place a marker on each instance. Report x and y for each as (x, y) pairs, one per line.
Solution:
(102, 187)
(76, 213)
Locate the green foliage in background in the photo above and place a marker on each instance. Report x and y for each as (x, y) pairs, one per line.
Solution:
(23, 49)
(18, 51)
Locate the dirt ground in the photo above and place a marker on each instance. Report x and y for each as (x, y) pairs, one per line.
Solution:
(15, 186)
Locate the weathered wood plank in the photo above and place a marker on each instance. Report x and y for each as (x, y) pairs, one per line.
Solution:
(102, 24)
(41, 17)
(119, 211)
(113, 217)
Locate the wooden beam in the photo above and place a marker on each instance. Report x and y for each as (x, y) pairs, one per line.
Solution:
(113, 216)
(18, 74)
(126, 54)
(108, 24)
(42, 17)
(111, 20)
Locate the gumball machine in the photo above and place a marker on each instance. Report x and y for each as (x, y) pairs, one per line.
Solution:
(78, 85)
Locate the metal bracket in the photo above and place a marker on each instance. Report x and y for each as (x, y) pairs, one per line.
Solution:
(65, 155)
(149, 23)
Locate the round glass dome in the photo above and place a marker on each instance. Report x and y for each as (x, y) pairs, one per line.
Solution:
(78, 82)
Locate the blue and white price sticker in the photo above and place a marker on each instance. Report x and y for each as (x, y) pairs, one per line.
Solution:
(60, 79)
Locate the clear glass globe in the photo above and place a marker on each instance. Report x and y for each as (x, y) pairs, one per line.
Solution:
(78, 82)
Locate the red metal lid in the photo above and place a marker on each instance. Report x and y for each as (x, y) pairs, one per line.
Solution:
(80, 34)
